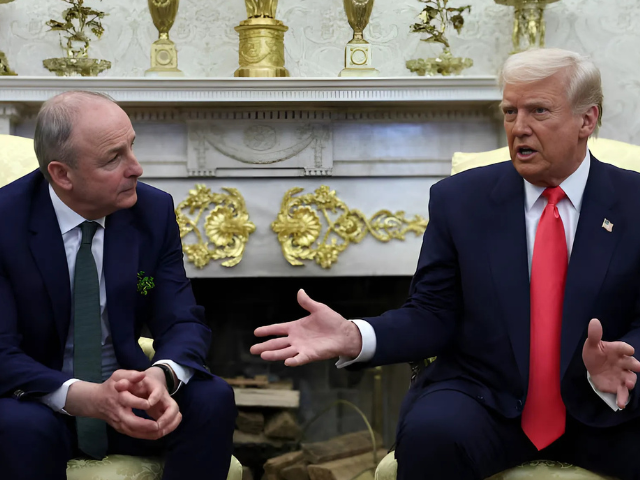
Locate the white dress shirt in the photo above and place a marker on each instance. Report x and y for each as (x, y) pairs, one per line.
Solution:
(69, 222)
(535, 202)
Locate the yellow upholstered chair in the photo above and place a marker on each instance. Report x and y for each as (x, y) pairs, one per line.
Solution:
(17, 158)
(620, 154)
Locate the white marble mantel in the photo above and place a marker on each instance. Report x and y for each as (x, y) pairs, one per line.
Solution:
(380, 143)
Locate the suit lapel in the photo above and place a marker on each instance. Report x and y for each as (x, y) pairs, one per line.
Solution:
(509, 265)
(593, 247)
(47, 248)
(120, 271)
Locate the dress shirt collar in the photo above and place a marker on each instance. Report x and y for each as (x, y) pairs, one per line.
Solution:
(573, 186)
(67, 218)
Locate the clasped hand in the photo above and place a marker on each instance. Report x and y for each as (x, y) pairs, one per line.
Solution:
(114, 400)
(611, 365)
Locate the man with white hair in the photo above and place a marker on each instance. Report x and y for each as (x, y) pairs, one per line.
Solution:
(535, 354)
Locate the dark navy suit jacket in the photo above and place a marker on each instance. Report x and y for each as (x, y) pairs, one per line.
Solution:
(35, 296)
(469, 299)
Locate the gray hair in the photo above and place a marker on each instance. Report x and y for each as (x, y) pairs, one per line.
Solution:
(585, 85)
(54, 125)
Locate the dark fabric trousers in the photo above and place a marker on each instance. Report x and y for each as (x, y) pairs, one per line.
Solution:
(36, 443)
(449, 435)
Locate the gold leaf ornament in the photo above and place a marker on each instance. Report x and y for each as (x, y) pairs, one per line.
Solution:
(299, 226)
(226, 226)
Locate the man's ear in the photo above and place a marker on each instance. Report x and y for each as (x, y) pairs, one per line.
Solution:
(59, 173)
(589, 121)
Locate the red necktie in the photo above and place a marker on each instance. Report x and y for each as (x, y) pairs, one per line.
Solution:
(544, 415)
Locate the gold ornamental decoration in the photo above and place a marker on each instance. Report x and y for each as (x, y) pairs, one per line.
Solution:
(261, 52)
(4, 64)
(436, 16)
(357, 55)
(299, 226)
(77, 19)
(164, 55)
(226, 226)
(528, 23)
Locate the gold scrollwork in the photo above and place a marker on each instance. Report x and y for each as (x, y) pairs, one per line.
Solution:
(227, 226)
(299, 226)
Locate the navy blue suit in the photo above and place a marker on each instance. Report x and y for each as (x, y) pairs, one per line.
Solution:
(35, 312)
(469, 306)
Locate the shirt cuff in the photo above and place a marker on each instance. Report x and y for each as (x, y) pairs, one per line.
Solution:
(609, 398)
(368, 345)
(183, 373)
(57, 399)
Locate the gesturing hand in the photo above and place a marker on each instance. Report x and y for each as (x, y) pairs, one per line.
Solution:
(610, 364)
(321, 335)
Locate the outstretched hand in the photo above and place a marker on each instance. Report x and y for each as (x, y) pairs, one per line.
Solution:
(321, 335)
(611, 365)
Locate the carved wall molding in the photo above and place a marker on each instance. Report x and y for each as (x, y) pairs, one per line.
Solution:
(299, 226)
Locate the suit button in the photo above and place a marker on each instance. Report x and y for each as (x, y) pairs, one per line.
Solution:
(480, 398)
(519, 405)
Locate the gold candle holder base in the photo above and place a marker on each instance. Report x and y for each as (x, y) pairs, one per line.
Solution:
(76, 67)
(164, 60)
(4, 66)
(261, 52)
(444, 64)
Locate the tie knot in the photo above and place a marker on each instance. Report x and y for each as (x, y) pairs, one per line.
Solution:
(88, 231)
(554, 195)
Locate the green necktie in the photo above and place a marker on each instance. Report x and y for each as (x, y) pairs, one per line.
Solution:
(87, 339)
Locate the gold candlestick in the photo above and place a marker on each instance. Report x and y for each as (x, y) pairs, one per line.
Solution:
(528, 23)
(4, 65)
(357, 55)
(261, 52)
(164, 55)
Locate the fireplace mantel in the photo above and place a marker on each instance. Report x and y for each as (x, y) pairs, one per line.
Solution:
(379, 143)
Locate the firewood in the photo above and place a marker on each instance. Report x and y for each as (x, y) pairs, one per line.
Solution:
(274, 465)
(250, 422)
(340, 447)
(282, 425)
(346, 468)
(266, 397)
(242, 438)
(295, 472)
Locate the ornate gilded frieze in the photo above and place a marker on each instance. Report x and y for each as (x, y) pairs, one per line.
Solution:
(299, 226)
(226, 226)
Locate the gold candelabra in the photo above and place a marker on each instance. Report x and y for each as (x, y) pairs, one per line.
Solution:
(261, 52)
(164, 55)
(528, 23)
(4, 64)
(357, 55)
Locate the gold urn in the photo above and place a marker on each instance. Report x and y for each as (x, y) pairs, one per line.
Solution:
(261, 52)
(528, 23)
(164, 55)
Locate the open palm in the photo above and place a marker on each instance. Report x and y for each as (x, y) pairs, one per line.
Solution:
(321, 335)
(611, 365)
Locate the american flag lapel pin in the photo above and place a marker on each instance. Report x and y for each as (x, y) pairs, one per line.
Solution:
(607, 225)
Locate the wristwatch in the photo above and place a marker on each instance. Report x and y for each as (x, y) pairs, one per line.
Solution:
(169, 377)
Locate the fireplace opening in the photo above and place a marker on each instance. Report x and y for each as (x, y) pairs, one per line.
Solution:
(235, 307)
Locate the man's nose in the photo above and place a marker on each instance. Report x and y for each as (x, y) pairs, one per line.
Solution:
(135, 169)
(521, 126)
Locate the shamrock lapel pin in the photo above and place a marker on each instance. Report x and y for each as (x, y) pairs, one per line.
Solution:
(144, 283)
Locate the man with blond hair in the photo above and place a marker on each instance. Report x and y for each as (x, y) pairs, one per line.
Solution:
(89, 257)
(535, 352)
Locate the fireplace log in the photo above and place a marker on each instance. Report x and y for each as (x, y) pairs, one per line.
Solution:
(295, 472)
(266, 397)
(250, 422)
(346, 468)
(340, 447)
(274, 465)
(282, 425)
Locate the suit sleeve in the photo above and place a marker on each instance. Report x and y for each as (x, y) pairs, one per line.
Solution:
(177, 324)
(20, 375)
(424, 326)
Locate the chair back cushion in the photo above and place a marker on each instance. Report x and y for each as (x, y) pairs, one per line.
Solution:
(17, 158)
